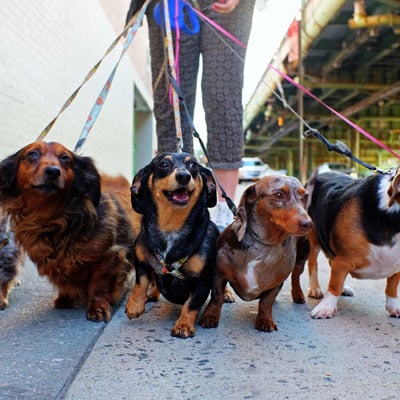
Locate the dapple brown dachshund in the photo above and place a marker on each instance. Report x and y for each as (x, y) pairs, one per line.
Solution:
(76, 225)
(257, 251)
(176, 246)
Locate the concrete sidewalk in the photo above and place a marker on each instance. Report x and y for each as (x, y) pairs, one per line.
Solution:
(58, 354)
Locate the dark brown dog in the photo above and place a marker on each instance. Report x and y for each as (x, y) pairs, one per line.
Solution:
(77, 227)
(257, 252)
(177, 242)
(11, 259)
(357, 225)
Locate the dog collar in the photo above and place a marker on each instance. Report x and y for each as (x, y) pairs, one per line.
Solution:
(258, 240)
(173, 269)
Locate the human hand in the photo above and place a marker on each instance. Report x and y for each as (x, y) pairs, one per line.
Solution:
(225, 6)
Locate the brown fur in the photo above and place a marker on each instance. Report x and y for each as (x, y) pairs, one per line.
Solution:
(77, 227)
(257, 252)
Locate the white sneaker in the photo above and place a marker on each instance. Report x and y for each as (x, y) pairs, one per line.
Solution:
(222, 216)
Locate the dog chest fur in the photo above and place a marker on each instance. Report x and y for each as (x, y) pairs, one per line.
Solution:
(259, 268)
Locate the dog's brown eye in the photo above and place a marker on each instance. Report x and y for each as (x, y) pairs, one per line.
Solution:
(33, 155)
(192, 166)
(164, 164)
(279, 195)
(64, 158)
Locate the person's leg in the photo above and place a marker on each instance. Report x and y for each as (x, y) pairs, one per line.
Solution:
(228, 179)
(222, 84)
(188, 69)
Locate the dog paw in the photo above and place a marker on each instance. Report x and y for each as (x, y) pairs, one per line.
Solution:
(16, 282)
(298, 297)
(182, 330)
(3, 303)
(347, 291)
(133, 309)
(229, 297)
(393, 307)
(209, 321)
(99, 314)
(315, 293)
(327, 307)
(265, 325)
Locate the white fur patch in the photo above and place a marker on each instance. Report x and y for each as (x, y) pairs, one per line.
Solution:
(326, 308)
(384, 261)
(251, 277)
(173, 239)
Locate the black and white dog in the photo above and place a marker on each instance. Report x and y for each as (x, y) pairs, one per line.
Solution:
(357, 225)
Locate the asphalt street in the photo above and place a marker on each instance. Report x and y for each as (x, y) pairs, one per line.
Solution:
(57, 354)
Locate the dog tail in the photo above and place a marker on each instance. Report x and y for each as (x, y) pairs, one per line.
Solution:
(310, 185)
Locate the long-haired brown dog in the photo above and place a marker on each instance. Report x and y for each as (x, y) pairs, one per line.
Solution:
(257, 251)
(11, 259)
(77, 227)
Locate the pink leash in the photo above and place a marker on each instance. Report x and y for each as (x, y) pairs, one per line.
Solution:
(342, 117)
(216, 26)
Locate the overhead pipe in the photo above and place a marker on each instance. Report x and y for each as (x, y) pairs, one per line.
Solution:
(362, 20)
(317, 15)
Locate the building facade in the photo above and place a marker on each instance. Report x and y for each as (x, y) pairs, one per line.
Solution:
(48, 47)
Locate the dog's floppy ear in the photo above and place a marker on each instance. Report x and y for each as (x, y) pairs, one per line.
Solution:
(209, 186)
(8, 177)
(394, 189)
(246, 203)
(139, 189)
(239, 224)
(86, 178)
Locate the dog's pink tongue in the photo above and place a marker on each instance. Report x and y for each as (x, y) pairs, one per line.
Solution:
(180, 197)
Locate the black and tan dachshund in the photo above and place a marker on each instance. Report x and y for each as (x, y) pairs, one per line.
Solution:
(176, 246)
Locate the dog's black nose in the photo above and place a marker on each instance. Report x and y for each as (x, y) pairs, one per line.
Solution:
(306, 224)
(52, 172)
(183, 177)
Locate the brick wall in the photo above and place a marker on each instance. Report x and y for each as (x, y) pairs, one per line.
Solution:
(47, 48)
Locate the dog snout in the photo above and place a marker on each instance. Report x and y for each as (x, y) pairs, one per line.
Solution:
(306, 224)
(52, 172)
(183, 177)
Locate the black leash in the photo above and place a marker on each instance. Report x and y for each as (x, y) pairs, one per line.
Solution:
(339, 147)
(230, 203)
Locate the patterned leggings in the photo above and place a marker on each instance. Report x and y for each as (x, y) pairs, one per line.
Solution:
(221, 83)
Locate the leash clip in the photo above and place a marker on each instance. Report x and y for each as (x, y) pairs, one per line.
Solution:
(174, 268)
(187, 19)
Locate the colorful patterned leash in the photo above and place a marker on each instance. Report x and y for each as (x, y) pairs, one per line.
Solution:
(135, 23)
(131, 27)
(172, 69)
